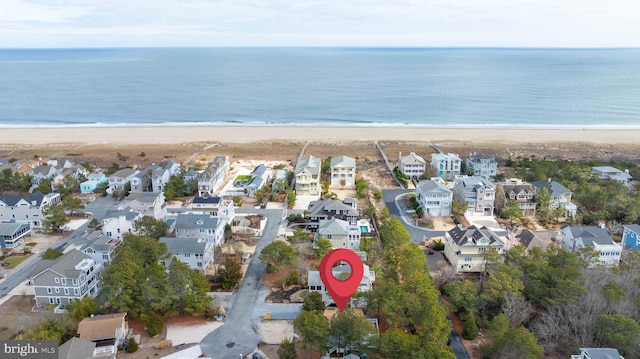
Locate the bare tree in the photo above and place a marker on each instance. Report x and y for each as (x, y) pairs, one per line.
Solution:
(516, 309)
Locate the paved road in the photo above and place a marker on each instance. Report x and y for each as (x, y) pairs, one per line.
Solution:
(239, 336)
(396, 209)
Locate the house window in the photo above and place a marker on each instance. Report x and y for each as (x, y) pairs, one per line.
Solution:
(57, 290)
(64, 281)
(199, 264)
(66, 291)
(57, 280)
(50, 300)
(75, 291)
(49, 290)
(187, 255)
(74, 281)
(482, 249)
(468, 259)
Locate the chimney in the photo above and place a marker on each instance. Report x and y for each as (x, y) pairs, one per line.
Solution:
(548, 180)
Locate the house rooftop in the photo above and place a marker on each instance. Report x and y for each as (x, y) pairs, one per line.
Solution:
(555, 188)
(184, 245)
(590, 235)
(602, 353)
(12, 200)
(412, 157)
(343, 161)
(633, 227)
(430, 185)
(65, 265)
(474, 157)
(76, 348)
(473, 234)
(330, 205)
(206, 200)
(191, 220)
(124, 173)
(7, 229)
(309, 164)
(100, 326)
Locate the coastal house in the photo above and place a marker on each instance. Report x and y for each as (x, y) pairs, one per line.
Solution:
(60, 163)
(343, 171)
(412, 165)
(482, 165)
(464, 248)
(141, 181)
(120, 179)
(434, 197)
(12, 234)
(330, 208)
(117, 222)
(45, 172)
(72, 276)
(214, 176)
(147, 203)
(307, 176)
(92, 182)
(280, 183)
(108, 332)
(514, 189)
(445, 165)
(576, 237)
(195, 252)
(631, 236)
(316, 285)
(529, 239)
(259, 177)
(26, 208)
(190, 177)
(560, 197)
(161, 175)
(598, 353)
(201, 226)
(99, 246)
(341, 234)
(214, 206)
(478, 192)
(611, 173)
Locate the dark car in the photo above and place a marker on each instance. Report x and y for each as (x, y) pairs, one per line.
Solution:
(257, 356)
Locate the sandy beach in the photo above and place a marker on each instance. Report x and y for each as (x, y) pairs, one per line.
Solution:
(247, 134)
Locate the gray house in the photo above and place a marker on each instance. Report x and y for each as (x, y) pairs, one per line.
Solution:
(434, 197)
(26, 209)
(478, 192)
(73, 276)
(482, 165)
(214, 176)
(201, 226)
(194, 252)
(328, 209)
(560, 196)
(12, 234)
(307, 176)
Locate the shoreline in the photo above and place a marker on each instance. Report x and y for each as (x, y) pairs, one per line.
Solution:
(160, 134)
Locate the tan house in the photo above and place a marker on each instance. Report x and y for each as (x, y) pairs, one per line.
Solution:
(307, 176)
(343, 171)
(514, 189)
(107, 331)
(412, 165)
(465, 247)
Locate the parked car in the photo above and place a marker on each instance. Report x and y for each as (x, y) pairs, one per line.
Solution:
(257, 356)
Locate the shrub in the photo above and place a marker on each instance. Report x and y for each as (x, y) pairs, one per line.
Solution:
(293, 278)
(438, 245)
(154, 324)
(470, 329)
(132, 346)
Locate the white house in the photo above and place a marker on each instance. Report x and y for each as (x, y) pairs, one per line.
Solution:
(340, 233)
(465, 247)
(201, 226)
(116, 223)
(445, 165)
(560, 196)
(12, 234)
(478, 192)
(316, 285)
(598, 353)
(27, 208)
(97, 245)
(612, 173)
(259, 177)
(147, 203)
(119, 180)
(307, 176)
(330, 208)
(343, 171)
(161, 175)
(574, 237)
(434, 197)
(482, 165)
(195, 252)
(412, 165)
(214, 206)
(214, 176)
(72, 276)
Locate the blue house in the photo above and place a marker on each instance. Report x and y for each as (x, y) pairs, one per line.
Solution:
(631, 236)
(92, 182)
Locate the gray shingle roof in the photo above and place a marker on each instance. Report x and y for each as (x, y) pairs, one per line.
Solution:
(428, 186)
(184, 245)
(7, 229)
(555, 188)
(310, 164)
(602, 353)
(590, 235)
(190, 220)
(633, 227)
(473, 234)
(129, 215)
(330, 205)
(76, 348)
(343, 161)
(65, 265)
(11, 200)
(333, 226)
(123, 173)
(476, 181)
(206, 200)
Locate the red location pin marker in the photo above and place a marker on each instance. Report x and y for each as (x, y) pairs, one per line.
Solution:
(341, 290)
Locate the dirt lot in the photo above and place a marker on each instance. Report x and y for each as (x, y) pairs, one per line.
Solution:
(16, 315)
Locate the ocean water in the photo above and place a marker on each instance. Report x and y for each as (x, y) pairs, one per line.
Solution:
(547, 88)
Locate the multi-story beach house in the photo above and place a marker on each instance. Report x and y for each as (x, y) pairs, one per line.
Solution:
(331, 208)
(92, 182)
(527, 238)
(200, 226)
(195, 252)
(116, 223)
(482, 165)
(141, 181)
(611, 173)
(72, 276)
(214, 206)
(12, 234)
(343, 171)
(514, 189)
(575, 237)
(560, 196)
(147, 203)
(45, 172)
(259, 177)
(307, 176)
(214, 176)
(27, 208)
(445, 165)
(434, 197)
(119, 180)
(161, 175)
(631, 236)
(341, 234)
(97, 245)
(465, 247)
(316, 285)
(279, 183)
(478, 192)
(412, 165)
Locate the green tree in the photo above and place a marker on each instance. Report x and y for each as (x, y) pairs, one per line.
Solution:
(314, 329)
(505, 279)
(276, 254)
(470, 329)
(291, 198)
(512, 211)
(287, 350)
(395, 343)
(299, 235)
(94, 223)
(54, 217)
(85, 307)
(513, 343)
(612, 292)
(148, 226)
(44, 186)
(349, 330)
(362, 188)
(462, 295)
(393, 234)
(322, 247)
(51, 253)
(325, 165)
(132, 346)
(543, 198)
(60, 329)
(619, 331)
(313, 302)
(101, 188)
(230, 274)
(458, 208)
(154, 323)
(72, 204)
